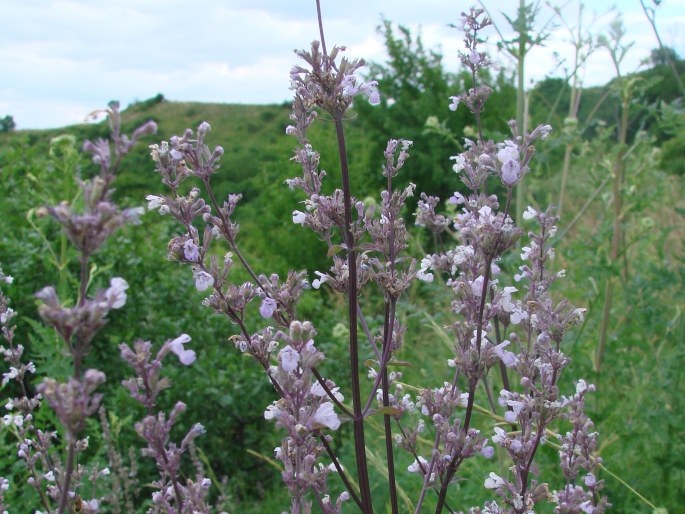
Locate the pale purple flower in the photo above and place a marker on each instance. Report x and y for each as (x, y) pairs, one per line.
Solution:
(155, 202)
(423, 274)
(487, 452)
(530, 213)
(318, 390)
(190, 250)
(456, 199)
(186, 357)
(587, 507)
(272, 412)
(203, 128)
(268, 307)
(582, 386)
(493, 481)
(454, 103)
(416, 466)
(518, 316)
(325, 416)
(374, 97)
(500, 436)
(318, 282)
(203, 280)
(289, 358)
(459, 162)
(590, 480)
(510, 172)
(525, 253)
(477, 286)
(510, 152)
(116, 293)
(508, 358)
(370, 89)
(299, 217)
(507, 304)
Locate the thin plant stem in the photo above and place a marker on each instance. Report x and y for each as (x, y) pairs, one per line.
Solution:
(358, 422)
(387, 343)
(619, 171)
(341, 472)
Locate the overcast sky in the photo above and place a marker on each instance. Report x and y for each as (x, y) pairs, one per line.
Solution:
(61, 59)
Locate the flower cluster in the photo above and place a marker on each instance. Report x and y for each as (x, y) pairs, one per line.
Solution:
(307, 401)
(172, 494)
(72, 402)
(495, 329)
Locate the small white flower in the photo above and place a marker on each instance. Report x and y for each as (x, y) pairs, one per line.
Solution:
(325, 416)
(299, 217)
(459, 162)
(493, 481)
(190, 250)
(508, 153)
(203, 280)
(581, 387)
(474, 58)
(318, 390)
(268, 307)
(186, 357)
(454, 103)
(272, 412)
(477, 286)
(154, 202)
(317, 282)
(414, 467)
(116, 293)
(289, 358)
(424, 276)
(530, 213)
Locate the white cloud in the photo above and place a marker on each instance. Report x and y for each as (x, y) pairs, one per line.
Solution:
(61, 56)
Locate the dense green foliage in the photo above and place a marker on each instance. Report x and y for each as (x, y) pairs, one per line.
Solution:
(638, 406)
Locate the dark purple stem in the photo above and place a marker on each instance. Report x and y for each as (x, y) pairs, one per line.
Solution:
(359, 439)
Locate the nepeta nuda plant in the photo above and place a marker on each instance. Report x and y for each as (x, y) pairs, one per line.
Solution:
(172, 495)
(492, 329)
(74, 400)
(59, 485)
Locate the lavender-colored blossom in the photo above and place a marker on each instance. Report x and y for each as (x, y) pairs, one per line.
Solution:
(493, 481)
(510, 172)
(186, 357)
(116, 293)
(190, 251)
(289, 358)
(203, 280)
(325, 416)
(268, 307)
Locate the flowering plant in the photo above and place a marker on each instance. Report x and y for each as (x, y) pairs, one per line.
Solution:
(493, 331)
(499, 333)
